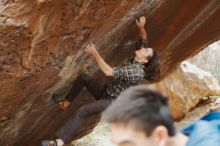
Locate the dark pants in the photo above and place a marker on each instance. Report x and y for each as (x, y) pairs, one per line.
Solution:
(75, 121)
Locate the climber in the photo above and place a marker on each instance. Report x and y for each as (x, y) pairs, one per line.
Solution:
(141, 117)
(144, 66)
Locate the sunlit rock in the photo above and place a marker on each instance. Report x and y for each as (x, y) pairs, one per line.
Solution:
(186, 86)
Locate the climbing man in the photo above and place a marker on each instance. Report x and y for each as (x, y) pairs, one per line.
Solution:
(144, 66)
(141, 117)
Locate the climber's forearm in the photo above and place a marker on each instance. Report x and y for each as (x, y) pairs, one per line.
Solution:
(142, 33)
(106, 69)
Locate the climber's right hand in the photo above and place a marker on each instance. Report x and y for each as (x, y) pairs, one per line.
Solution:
(91, 49)
(141, 22)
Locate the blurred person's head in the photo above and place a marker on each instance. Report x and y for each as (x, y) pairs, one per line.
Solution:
(140, 117)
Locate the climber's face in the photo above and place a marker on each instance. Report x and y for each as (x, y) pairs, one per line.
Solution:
(143, 54)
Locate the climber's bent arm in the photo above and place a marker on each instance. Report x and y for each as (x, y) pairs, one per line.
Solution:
(105, 68)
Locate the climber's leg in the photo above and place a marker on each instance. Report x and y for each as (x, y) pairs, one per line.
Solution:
(84, 80)
(76, 121)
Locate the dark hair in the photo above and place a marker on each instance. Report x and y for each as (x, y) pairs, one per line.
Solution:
(152, 68)
(141, 43)
(146, 108)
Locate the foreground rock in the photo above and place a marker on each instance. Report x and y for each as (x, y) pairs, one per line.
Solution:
(186, 86)
(41, 51)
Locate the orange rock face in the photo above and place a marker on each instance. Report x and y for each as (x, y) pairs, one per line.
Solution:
(186, 86)
(41, 50)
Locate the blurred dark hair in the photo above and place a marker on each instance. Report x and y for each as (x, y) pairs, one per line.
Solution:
(143, 108)
(152, 68)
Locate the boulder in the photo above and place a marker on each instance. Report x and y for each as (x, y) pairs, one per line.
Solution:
(208, 59)
(186, 86)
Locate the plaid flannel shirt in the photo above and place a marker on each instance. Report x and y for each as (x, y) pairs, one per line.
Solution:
(125, 76)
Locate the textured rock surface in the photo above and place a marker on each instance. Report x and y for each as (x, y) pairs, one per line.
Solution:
(41, 50)
(186, 86)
